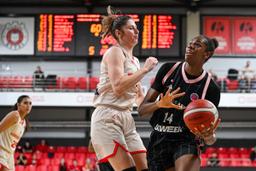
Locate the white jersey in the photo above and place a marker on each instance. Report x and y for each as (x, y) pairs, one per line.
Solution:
(11, 136)
(108, 97)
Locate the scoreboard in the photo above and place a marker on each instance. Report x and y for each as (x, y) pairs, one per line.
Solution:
(80, 35)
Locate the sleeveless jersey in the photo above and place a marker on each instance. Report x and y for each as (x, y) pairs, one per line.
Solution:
(108, 98)
(170, 121)
(11, 136)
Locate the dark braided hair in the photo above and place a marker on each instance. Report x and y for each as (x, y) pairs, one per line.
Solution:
(112, 22)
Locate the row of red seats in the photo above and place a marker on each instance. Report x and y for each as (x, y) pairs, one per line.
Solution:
(37, 168)
(82, 83)
(230, 150)
(230, 162)
(57, 155)
(16, 81)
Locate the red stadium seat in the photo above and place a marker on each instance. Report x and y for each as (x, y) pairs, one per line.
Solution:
(30, 168)
(244, 150)
(82, 83)
(246, 163)
(222, 150)
(61, 149)
(71, 149)
(82, 149)
(93, 83)
(53, 168)
(27, 82)
(204, 159)
(15, 82)
(42, 168)
(233, 150)
(45, 161)
(71, 83)
(55, 161)
(254, 163)
(234, 156)
(80, 155)
(210, 150)
(235, 163)
(58, 155)
(28, 155)
(224, 162)
(69, 156)
(80, 161)
(223, 156)
(19, 168)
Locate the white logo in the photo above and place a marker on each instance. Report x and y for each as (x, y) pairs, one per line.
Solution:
(15, 35)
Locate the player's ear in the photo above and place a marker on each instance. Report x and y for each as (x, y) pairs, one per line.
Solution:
(117, 33)
(207, 55)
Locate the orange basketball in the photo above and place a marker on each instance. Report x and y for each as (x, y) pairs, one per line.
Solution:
(199, 114)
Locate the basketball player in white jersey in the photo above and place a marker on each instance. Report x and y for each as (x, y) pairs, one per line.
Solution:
(113, 133)
(12, 128)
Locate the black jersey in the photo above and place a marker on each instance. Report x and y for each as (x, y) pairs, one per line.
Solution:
(169, 122)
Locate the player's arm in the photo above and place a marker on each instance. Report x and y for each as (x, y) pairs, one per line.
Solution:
(9, 120)
(119, 81)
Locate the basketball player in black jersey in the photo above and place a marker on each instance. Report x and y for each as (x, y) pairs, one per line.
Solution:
(172, 145)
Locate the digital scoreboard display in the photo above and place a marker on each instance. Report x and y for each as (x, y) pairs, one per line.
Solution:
(55, 35)
(160, 36)
(80, 35)
(88, 37)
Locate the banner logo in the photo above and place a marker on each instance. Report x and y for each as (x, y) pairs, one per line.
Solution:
(15, 35)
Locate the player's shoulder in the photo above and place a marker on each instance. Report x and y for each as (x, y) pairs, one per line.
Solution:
(114, 52)
(14, 115)
(165, 67)
(214, 85)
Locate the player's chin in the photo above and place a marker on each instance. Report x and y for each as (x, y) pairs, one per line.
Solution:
(188, 57)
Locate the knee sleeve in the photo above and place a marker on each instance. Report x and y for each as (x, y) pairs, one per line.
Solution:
(130, 169)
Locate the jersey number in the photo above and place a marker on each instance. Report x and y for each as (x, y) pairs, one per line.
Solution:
(168, 118)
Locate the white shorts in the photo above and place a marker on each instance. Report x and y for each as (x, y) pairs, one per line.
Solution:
(7, 159)
(111, 128)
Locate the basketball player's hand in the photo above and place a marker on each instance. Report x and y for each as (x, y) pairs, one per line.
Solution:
(208, 134)
(166, 101)
(150, 63)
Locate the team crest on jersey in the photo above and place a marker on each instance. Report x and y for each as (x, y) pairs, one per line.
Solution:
(15, 35)
(194, 96)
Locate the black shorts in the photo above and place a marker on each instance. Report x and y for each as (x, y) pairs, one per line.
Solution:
(163, 152)
(105, 167)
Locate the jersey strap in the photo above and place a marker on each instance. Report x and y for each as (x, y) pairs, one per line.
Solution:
(169, 73)
(206, 85)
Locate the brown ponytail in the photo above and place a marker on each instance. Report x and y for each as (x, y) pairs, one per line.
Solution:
(112, 21)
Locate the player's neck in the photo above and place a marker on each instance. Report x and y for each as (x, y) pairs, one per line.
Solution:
(128, 50)
(22, 115)
(194, 71)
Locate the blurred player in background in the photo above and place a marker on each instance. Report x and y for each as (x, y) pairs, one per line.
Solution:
(172, 146)
(113, 133)
(12, 128)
